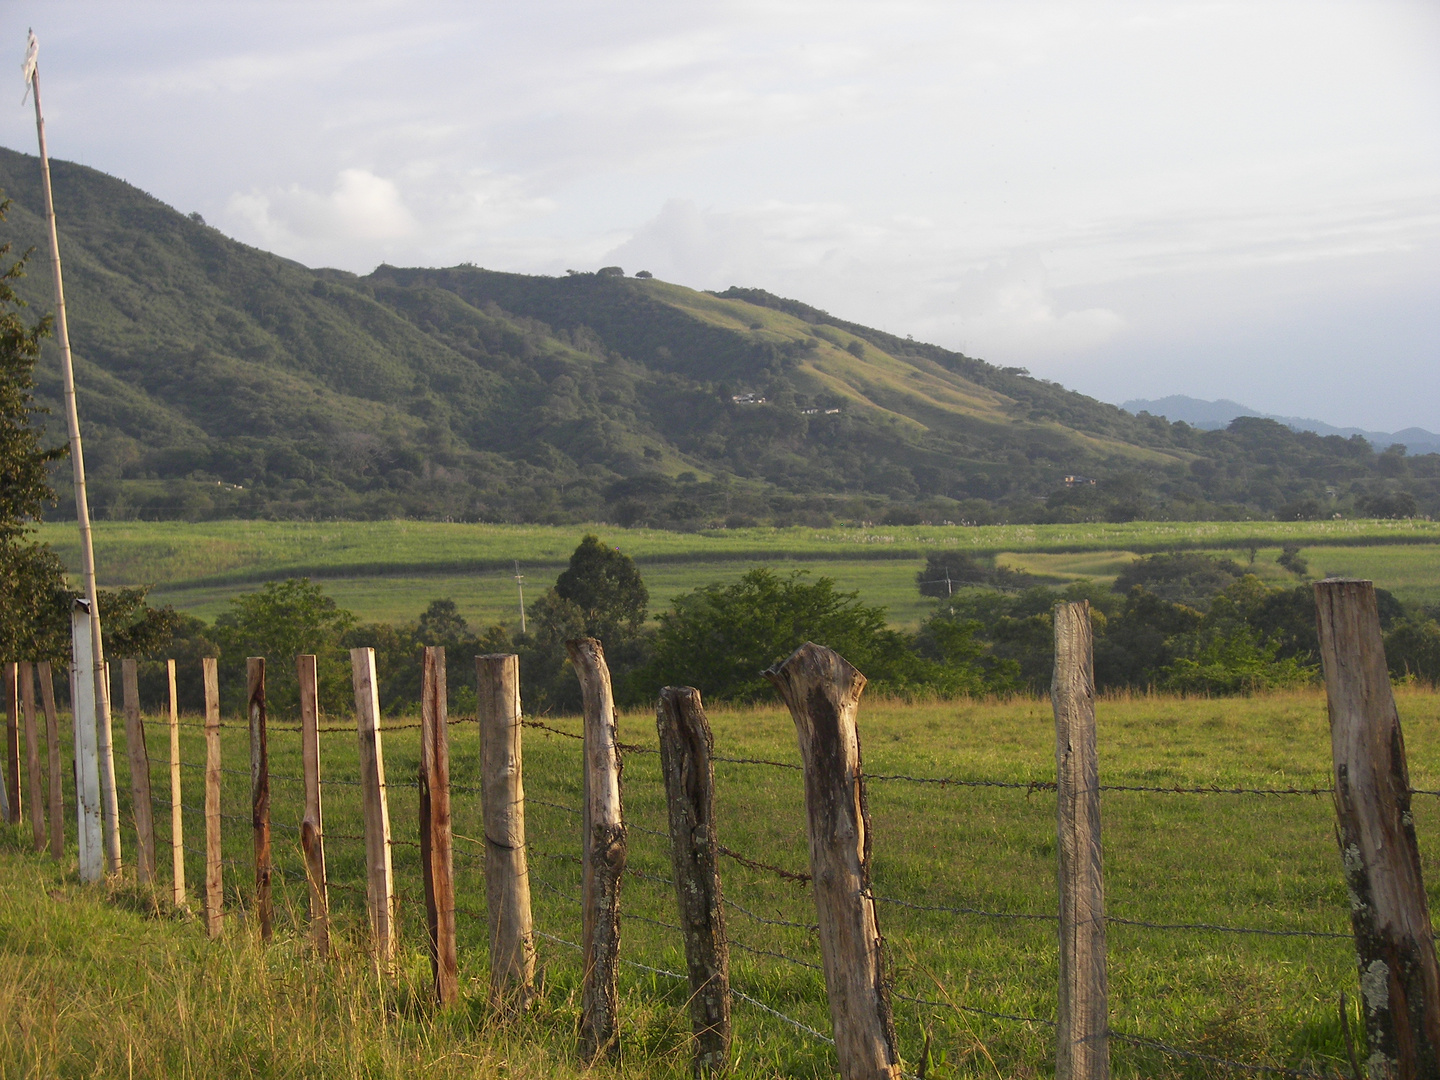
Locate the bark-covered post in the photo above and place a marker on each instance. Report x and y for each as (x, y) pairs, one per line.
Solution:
(177, 809)
(822, 691)
(52, 747)
(12, 743)
(214, 863)
(312, 827)
(1394, 942)
(1082, 1031)
(437, 861)
(686, 749)
(507, 872)
(32, 755)
(604, 854)
(260, 792)
(380, 875)
(142, 809)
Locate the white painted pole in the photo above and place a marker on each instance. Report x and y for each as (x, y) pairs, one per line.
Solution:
(87, 771)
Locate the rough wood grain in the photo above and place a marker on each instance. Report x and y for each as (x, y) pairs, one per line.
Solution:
(1082, 1032)
(55, 786)
(260, 793)
(141, 806)
(507, 872)
(12, 744)
(87, 766)
(177, 810)
(822, 691)
(312, 826)
(214, 879)
(33, 794)
(437, 863)
(604, 854)
(109, 798)
(686, 750)
(380, 875)
(1389, 913)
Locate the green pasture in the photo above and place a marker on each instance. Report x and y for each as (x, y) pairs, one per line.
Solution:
(1234, 860)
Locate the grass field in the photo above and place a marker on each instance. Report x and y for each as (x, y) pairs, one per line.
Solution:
(389, 570)
(92, 987)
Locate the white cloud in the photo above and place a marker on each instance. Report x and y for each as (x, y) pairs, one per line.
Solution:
(361, 207)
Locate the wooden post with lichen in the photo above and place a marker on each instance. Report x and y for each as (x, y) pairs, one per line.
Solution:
(214, 862)
(436, 858)
(312, 825)
(177, 809)
(380, 873)
(686, 750)
(141, 807)
(33, 793)
(1389, 912)
(822, 691)
(1082, 1028)
(52, 746)
(260, 792)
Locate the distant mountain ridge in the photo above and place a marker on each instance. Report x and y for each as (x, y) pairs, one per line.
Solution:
(1212, 415)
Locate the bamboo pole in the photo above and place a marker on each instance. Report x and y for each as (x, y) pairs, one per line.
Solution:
(177, 810)
(436, 856)
(259, 792)
(214, 862)
(380, 875)
(87, 766)
(141, 806)
(52, 747)
(32, 755)
(312, 828)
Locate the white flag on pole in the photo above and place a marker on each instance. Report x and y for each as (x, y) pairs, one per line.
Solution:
(32, 57)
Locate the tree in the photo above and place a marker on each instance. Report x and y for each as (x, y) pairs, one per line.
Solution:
(606, 586)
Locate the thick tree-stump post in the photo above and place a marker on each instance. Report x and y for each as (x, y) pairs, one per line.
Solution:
(437, 861)
(260, 792)
(312, 827)
(86, 745)
(822, 691)
(177, 810)
(686, 749)
(604, 854)
(214, 864)
(1394, 942)
(380, 875)
(56, 789)
(12, 743)
(32, 755)
(109, 792)
(507, 872)
(142, 809)
(1082, 1031)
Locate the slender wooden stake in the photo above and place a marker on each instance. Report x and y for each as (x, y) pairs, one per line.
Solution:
(12, 744)
(1394, 942)
(214, 882)
(822, 691)
(87, 766)
(312, 827)
(142, 808)
(259, 792)
(436, 857)
(109, 799)
(52, 747)
(604, 854)
(1082, 1032)
(380, 883)
(177, 811)
(507, 872)
(32, 755)
(686, 749)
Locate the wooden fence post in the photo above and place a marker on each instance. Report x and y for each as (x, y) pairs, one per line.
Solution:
(214, 881)
(109, 793)
(380, 877)
(507, 872)
(822, 691)
(32, 755)
(436, 856)
(141, 807)
(604, 854)
(1394, 942)
(52, 746)
(312, 827)
(177, 811)
(1082, 1031)
(87, 765)
(12, 743)
(686, 749)
(259, 792)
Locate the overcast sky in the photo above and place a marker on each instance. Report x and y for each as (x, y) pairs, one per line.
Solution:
(1218, 199)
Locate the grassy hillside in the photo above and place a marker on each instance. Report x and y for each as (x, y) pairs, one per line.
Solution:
(219, 381)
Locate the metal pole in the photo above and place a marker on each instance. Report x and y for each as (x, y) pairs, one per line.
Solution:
(520, 584)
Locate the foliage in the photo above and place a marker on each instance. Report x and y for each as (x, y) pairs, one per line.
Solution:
(946, 571)
(1412, 648)
(1185, 577)
(605, 586)
(1290, 559)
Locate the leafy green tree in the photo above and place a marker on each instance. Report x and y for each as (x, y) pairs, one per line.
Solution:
(1291, 560)
(1412, 648)
(1184, 577)
(606, 586)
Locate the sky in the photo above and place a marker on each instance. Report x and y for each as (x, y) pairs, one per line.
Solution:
(1236, 200)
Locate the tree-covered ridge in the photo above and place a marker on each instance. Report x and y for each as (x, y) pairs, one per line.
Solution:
(217, 380)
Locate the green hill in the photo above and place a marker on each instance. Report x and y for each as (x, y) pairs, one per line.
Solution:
(217, 380)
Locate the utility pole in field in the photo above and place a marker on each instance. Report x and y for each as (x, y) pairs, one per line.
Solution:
(520, 584)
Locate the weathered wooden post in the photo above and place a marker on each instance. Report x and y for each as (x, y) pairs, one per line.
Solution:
(822, 691)
(141, 806)
(686, 749)
(380, 876)
(87, 765)
(1082, 1031)
(259, 792)
(12, 743)
(109, 793)
(214, 865)
(177, 811)
(32, 755)
(437, 861)
(604, 854)
(1394, 942)
(52, 747)
(312, 827)
(507, 873)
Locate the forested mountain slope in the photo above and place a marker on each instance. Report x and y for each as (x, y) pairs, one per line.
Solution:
(219, 380)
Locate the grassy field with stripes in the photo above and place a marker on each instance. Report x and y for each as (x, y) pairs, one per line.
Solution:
(1229, 935)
